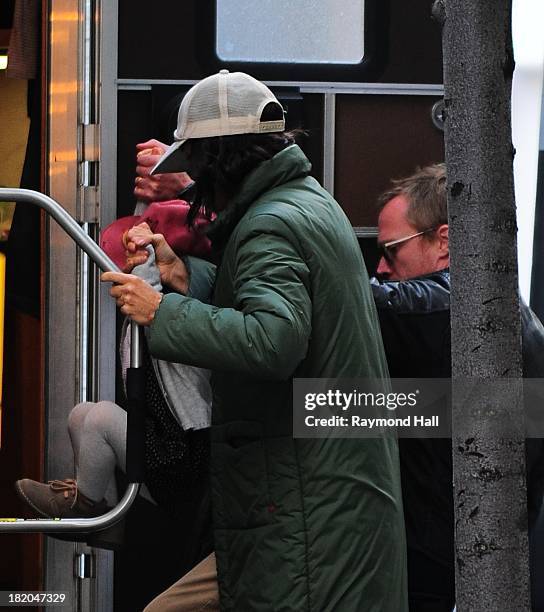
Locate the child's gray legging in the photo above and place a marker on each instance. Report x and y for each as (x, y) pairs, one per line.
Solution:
(98, 432)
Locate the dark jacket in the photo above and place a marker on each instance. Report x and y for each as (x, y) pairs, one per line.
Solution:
(415, 323)
(299, 524)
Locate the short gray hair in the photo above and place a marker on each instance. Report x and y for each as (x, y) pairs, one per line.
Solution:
(425, 191)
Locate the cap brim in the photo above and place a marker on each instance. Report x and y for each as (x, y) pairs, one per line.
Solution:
(173, 160)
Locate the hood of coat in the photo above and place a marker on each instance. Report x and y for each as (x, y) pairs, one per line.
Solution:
(289, 164)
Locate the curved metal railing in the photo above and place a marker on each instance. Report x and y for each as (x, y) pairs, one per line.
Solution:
(72, 228)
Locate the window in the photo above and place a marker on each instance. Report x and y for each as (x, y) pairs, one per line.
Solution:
(294, 40)
(283, 31)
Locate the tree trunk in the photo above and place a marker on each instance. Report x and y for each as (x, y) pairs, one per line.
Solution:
(488, 433)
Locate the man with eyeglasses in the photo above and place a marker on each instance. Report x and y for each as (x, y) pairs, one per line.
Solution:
(412, 293)
(413, 226)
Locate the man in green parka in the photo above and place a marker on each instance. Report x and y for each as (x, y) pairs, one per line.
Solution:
(299, 524)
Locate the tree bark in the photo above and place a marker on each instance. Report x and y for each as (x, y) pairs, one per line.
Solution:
(488, 432)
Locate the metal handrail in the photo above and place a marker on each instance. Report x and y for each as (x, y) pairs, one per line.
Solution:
(73, 229)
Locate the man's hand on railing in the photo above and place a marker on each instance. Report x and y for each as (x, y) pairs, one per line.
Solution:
(134, 297)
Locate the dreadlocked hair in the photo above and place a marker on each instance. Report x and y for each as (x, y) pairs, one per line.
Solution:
(223, 162)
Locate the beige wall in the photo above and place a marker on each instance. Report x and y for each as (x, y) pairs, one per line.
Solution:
(13, 129)
(13, 136)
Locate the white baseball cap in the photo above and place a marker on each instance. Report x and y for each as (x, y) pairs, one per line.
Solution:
(223, 104)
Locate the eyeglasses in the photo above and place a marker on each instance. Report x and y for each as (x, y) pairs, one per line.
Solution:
(388, 250)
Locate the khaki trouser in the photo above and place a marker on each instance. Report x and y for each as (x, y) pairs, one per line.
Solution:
(196, 591)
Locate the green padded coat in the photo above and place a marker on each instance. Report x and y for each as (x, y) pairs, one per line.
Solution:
(299, 524)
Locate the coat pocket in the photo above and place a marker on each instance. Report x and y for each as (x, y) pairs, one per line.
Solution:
(239, 476)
